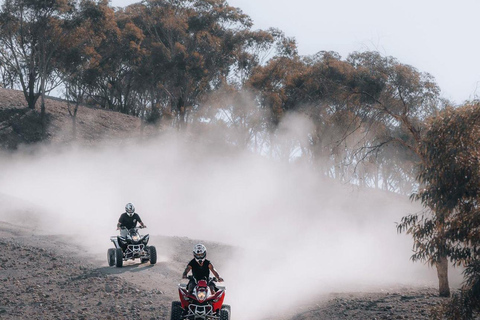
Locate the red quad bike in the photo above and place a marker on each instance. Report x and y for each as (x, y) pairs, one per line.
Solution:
(202, 303)
(130, 247)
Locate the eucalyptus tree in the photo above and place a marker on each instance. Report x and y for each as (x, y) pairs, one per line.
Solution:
(192, 48)
(395, 100)
(359, 106)
(114, 57)
(78, 55)
(314, 87)
(30, 35)
(450, 177)
(233, 105)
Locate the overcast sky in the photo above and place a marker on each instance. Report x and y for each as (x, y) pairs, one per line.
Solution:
(440, 37)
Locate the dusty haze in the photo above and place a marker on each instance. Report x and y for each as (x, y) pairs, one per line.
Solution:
(293, 234)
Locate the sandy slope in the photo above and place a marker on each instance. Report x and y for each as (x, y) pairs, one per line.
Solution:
(50, 277)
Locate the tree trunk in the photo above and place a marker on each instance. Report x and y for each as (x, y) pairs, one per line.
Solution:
(181, 112)
(74, 121)
(442, 273)
(42, 100)
(31, 97)
(74, 128)
(42, 87)
(42, 105)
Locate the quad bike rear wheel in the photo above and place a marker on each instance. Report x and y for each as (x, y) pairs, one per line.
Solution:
(118, 258)
(177, 311)
(111, 256)
(153, 254)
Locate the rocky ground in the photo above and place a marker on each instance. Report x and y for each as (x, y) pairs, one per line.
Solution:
(49, 277)
(399, 303)
(41, 282)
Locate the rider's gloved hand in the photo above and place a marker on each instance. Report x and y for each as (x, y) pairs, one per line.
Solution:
(184, 277)
(220, 279)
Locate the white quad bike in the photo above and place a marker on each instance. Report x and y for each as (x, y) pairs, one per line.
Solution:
(130, 247)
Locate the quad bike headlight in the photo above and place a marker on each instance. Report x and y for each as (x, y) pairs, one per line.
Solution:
(135, 238)
(201, 295)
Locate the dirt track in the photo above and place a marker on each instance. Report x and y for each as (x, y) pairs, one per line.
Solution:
(48, 277)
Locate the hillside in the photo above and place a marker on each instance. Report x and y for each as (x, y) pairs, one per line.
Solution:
(20, 126)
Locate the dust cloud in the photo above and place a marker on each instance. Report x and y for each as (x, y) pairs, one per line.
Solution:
(294, 235)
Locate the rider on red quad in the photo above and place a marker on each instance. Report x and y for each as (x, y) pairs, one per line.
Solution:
(129, 219)
(200, 268)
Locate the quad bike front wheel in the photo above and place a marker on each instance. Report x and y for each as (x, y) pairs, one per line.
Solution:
(153, 254)
(111, 256)
(177, 311)
(118, 258)
(228, 308)
(224, 314)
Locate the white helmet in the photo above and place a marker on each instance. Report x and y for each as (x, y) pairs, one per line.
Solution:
(130, 209)
(199, 252)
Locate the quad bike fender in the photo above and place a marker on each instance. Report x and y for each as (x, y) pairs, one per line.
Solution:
(145, 239)
(218, 300)
(183, 293)
(114, 239)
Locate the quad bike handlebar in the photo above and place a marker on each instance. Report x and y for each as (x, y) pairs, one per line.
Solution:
(139, 227)
(214, 279)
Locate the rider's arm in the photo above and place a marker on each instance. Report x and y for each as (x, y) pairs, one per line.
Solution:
(187, 269)
(120, 220)
(214, 271)
(140, 221)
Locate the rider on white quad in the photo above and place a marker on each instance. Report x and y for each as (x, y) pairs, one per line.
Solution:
(130, 245)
